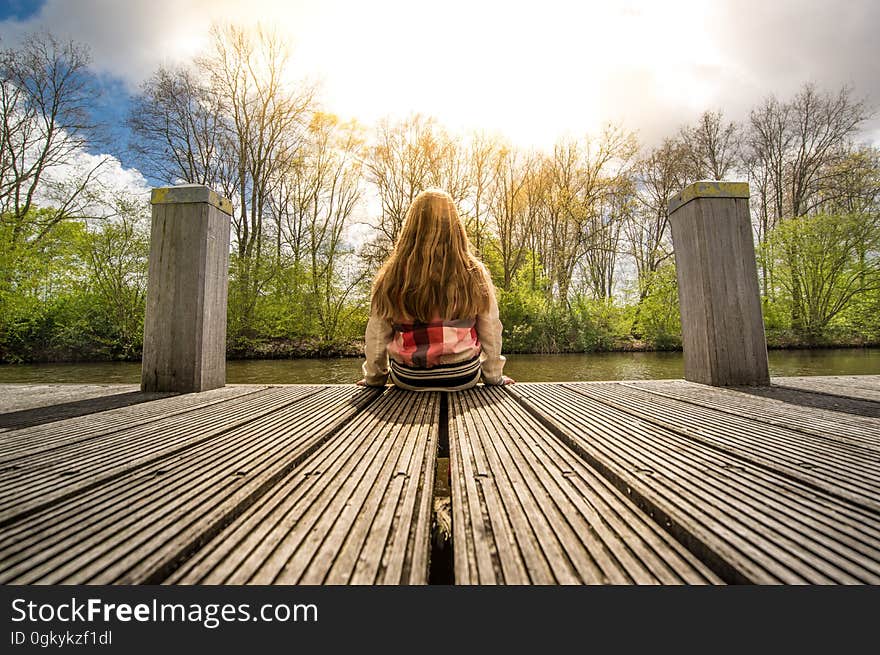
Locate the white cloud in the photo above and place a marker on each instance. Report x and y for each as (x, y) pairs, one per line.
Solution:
(530, 70)
(109, 180)
(130, 39)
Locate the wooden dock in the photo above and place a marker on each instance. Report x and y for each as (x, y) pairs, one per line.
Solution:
(639, 482)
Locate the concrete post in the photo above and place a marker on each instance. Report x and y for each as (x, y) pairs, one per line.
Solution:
(185, 322)
(721, 324)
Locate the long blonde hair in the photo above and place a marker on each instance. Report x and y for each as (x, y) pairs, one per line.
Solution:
(432, 271)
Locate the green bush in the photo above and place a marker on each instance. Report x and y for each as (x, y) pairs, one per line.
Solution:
(658, 321)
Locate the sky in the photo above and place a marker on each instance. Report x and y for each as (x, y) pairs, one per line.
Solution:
(531, 71)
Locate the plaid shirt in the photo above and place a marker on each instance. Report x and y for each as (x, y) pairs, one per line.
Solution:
(423, 345)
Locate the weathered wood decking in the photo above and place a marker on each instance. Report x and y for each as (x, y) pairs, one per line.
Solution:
(608, 482)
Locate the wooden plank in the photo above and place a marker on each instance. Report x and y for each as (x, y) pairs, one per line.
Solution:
(829, 386)
(527, 510)
(748, 523)
(824, 423)
(40, 479)
(847, 470)
(858, 381)
(22, 405)
(16, 396)
(812, 399)
(45, 437)
(139, 527)
(357, 511)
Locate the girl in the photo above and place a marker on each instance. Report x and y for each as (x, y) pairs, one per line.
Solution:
(434, 318)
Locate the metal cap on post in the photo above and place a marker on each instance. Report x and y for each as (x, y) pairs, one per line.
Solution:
(721, 324)
(185, 321)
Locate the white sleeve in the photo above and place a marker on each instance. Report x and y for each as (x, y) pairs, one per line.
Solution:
(376, 339)
(489, 330)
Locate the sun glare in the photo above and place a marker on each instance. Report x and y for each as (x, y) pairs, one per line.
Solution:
(531, 71)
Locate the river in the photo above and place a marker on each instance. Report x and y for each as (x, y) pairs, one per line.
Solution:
(523, 368)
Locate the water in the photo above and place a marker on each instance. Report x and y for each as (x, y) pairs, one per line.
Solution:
(523, 368)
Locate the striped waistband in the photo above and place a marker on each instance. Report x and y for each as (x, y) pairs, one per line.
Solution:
(444, 376)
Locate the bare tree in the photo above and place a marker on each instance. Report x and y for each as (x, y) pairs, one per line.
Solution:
(481, 152)
(513, 215)
(659, 174)
(563, 213)
(178, 123)
(611, 213)
(792, 151)
(45, 102)
(289, 206)
(450, 170)
(853, 182)
(582, 230)
(406, 158)
(265, 118)
(332, 174)
(822, 124)
(793, 144)
(711, 146)
(235, 121)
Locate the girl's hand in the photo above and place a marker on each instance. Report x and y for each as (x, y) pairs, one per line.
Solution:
(507, 380)
(361, 383)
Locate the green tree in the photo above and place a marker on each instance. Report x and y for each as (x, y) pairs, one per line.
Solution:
(658, 319)
(40, 277)
(116, 258)
(823, 263)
